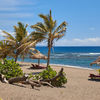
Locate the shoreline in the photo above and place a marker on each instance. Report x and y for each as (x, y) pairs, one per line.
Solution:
(69, 66)
(60, 65)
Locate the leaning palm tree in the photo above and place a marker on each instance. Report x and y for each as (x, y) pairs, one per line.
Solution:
(48, 30)
(20, 42)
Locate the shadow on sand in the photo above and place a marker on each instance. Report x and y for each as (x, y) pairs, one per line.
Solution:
(96, 80)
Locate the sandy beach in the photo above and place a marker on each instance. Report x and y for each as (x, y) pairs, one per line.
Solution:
(78, 87)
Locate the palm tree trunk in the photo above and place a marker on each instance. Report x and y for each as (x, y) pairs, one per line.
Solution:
(17, 53)
(49, 52)
(16, 58)
(48, 60)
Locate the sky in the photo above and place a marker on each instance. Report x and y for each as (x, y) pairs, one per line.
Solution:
(82, 16)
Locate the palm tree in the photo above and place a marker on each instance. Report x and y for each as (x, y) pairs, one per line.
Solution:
(21, 42)
(5, 49)
(48, 30)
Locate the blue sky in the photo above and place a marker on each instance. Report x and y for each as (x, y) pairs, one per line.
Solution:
(82, 16)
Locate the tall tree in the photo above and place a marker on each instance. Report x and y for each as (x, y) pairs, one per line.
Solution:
(48, 30)
(20, 42)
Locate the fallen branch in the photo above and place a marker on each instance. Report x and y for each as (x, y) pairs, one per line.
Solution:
(31, 83)
(46, 83)
(17, 79)
(42, 83)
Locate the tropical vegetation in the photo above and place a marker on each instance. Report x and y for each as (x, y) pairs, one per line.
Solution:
(10, 69)
(49, 74)
(48, 30)
(19, 43)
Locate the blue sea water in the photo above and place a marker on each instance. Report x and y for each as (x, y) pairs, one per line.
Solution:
(75, 56)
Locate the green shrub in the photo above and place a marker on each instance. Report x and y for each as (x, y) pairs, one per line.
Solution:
(98, 71)
(10, 69)
(49, 74)
(60, 81)
(34, 77)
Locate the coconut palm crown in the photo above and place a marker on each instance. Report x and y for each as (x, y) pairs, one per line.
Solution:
(48, 30)
(20, 42)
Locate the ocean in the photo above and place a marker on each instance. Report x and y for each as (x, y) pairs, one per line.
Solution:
(80, 56)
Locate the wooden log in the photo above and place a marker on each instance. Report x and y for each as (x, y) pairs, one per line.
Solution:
(17, 79)
(31, 83)
(34, 84)
(46, 83)
(42, 83)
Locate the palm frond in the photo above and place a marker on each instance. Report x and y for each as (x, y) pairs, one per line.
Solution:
(26, 46)
(20, 31)
(38, 36)
(46, 20)
(8, 35)
(38, 28)
(60, 31)
(58, 36)
(61, 26)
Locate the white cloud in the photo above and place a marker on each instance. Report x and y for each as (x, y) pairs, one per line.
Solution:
(1, 35)
(76, 42)
(12, 11)
(14, 3)
(15, 8)
(80, 42)
(16, 15)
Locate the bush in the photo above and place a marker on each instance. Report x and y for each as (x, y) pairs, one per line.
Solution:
(98, 71)
(60, 81)
(49, 74)
(10, 69)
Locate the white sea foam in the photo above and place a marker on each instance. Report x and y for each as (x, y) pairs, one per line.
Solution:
(81, 54)
(70, 66)
(94, 53)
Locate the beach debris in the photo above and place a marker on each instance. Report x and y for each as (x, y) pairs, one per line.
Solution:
(17, 79)
(34, 83)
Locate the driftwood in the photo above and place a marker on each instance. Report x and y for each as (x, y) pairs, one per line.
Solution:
(31, 83)
(37, 83)
(42, 83)
(3, 79)
(17, 79)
